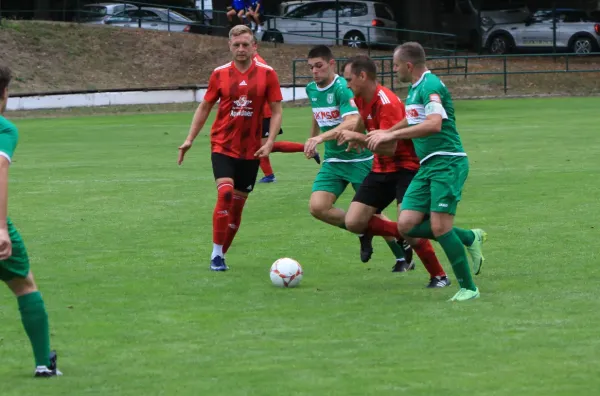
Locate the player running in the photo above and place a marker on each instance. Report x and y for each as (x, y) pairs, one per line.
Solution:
(243, 87)
(14, 261)
(334, 110)
(278, 147)
(394, 165)
(437, 187)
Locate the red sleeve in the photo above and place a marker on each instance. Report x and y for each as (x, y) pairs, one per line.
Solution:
(273, 87)
(390, 114)
(213, 93)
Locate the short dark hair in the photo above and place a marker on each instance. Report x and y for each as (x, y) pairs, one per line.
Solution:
(413, 52)
(362, 63)
(321, 51)
(5, 77)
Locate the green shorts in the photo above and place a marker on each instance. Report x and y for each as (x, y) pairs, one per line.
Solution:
(17, 265)
(335, 176)
(437, 186)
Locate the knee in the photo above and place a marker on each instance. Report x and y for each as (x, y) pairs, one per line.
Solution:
(22, 286)
(404, 226)
(316, 210)
(439, 229)
(355, 224)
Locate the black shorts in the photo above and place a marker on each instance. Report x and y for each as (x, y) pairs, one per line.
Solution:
(266, 127)
(242, 171)
(379, 190)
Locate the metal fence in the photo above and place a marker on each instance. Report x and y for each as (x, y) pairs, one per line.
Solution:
(215, 22)
(472, 66)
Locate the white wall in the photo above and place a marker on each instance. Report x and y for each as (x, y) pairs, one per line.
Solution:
(122, 98)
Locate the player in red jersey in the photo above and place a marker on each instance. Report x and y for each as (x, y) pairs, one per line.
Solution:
(278, 147)
(243, 87)
(393, 168)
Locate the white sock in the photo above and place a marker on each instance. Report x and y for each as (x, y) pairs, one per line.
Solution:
(217, 251)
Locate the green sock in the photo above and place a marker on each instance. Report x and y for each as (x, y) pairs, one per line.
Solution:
(455, 251)
(467, 237)
(422, 230)
(35, 321)
(397, 249)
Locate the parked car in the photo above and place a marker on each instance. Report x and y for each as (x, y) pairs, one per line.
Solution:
(97, 13)
(360, 24)
(470, 19)
(575, 32)
(152, 18)
(289, 6)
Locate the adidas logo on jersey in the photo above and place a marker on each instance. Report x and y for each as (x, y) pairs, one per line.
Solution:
(243, 83)
(369, 117)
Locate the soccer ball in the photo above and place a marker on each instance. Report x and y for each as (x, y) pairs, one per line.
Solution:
(286, 272)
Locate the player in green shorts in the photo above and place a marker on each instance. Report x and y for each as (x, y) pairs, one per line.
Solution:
(14, 262)
(437, 187)
(334, 110)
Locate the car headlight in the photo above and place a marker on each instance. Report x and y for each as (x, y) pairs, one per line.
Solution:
(487, 22)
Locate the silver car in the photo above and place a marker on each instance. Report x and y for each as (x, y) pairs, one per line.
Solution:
(575, 32)
(151, 18)
(361, 23)
(97, 13)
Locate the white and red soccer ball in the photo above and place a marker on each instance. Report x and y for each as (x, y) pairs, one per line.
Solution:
(286, 272)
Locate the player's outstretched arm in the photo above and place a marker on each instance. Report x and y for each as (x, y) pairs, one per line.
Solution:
(200, 117)
(5, 243)
(310, 146)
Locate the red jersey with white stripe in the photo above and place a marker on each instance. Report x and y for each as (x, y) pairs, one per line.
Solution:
(267, 110)
(237, 130)
(385, 111)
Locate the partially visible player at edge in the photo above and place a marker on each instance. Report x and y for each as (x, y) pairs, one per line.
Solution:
(436, 189)
(14, 261)
(278, 147)
(395, 164)
(243, 86)
(334, 110)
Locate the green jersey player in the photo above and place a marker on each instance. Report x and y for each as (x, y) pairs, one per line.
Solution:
(14, 262)
(437, 187)
(334, 110)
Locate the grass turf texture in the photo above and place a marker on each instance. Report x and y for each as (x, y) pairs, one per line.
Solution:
(120, 241)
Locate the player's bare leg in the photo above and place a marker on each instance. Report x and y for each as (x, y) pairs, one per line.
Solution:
(35, 322)
(321, 207)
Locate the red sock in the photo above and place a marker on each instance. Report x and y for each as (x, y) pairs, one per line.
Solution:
(288, 147)
(380, 227)
(235, 219)
(425, 251)
(221, 213)
(265, 166)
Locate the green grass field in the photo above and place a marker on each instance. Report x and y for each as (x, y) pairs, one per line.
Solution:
(120, 241)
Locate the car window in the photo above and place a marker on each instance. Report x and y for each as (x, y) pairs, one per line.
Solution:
(348, 10)
(309, 11)
(94, 11)
(383, 11)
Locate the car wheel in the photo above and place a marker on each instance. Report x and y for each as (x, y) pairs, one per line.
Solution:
(273, 37)
(582, 46)
(355, 40)
(500, 45)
